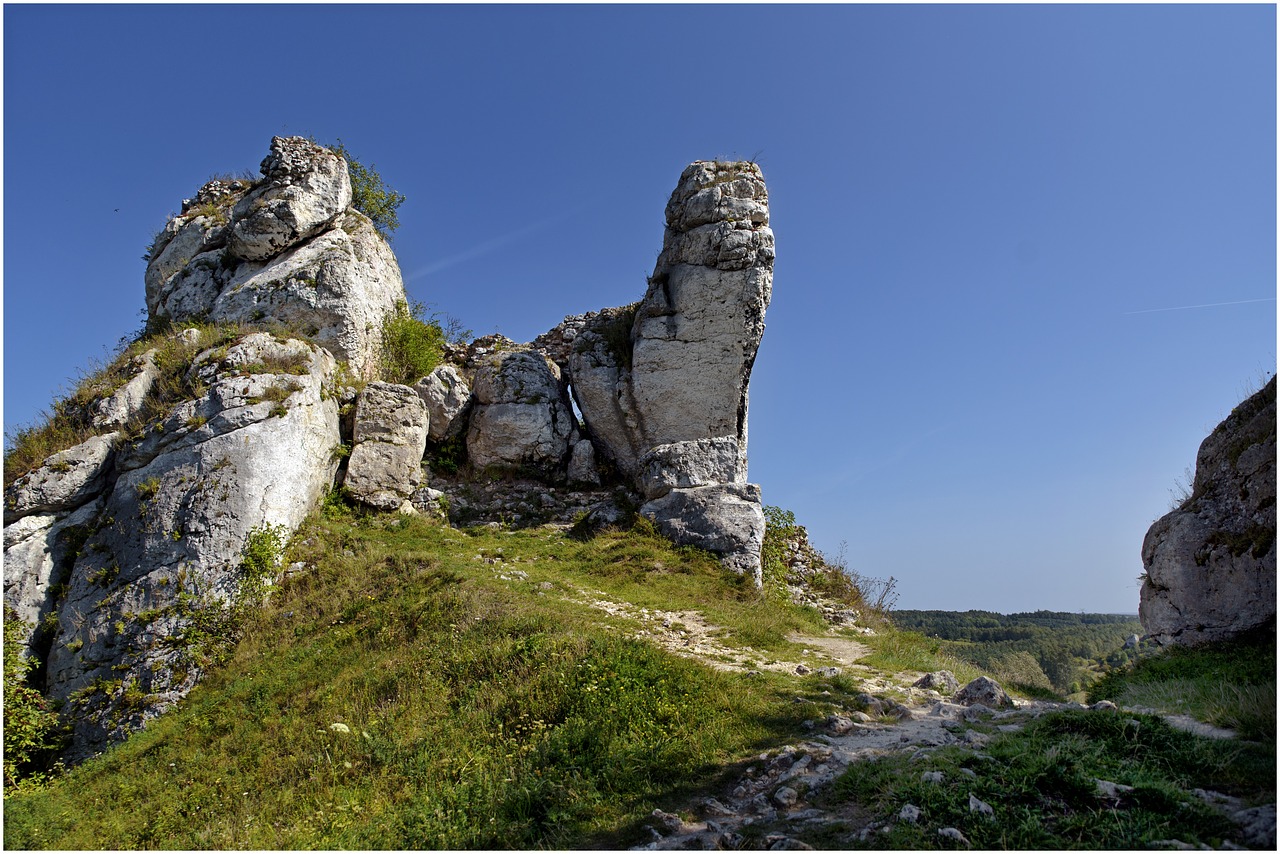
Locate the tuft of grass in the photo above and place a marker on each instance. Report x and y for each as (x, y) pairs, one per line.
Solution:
(412, 345)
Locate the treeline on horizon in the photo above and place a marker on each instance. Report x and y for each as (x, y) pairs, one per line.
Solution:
(1041, 653)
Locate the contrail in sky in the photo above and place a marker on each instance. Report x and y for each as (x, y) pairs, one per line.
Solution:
(1206, 305)
(489, 245)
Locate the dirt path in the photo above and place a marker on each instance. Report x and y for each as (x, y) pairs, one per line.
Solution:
(841, 650)
(688, 634)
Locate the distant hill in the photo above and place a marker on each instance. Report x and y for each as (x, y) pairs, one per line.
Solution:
(1039, 650)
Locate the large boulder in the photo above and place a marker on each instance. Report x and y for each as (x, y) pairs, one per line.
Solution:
(983, 691)
(1211, 563)
(389, 439)
(252, 454)
(448, 399)
(522, 419)
(289, 250)
(726, 519)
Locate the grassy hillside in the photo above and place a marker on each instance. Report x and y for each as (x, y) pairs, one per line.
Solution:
(409, 686)
(420, 687)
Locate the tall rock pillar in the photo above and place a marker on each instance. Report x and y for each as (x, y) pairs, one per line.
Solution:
(663, 387)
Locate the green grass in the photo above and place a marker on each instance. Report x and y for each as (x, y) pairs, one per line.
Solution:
(1041, 785)
(479, 712)
(895, 650)
(1230, 684)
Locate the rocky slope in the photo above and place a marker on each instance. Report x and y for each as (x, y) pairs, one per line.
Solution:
(221, 438)
(1211, 563)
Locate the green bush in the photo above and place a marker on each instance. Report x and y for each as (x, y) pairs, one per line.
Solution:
(369, 193)
(411, 346)
(260, 559)
(31, 729)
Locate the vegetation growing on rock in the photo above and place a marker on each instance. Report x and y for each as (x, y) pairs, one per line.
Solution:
(370, 194)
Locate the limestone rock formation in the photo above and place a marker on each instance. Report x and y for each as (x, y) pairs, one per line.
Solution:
(390, 438)
(672, 372)
(304, 188)
(700, 462)
(522, 419)
(448, 399)
(39, 551)
(724, 518)
(65, 481)
(254, 450)
(287, 248)
(124, 548)
(1211, 563)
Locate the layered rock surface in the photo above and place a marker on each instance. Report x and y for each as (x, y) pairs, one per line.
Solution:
(1211, 563)
(390, 437)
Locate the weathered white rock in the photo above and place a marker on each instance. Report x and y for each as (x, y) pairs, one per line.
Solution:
(983, 691)
(521, 418)
(726, 519)
(255, 450)
(293, 252)
(66, 480)
(674, 369)
(1211, 563)
(390, 437)
(942, 681)
(118, 407)
(448, 398)
(701, 462)
(304, 188)
(339, 287)
(38, 553)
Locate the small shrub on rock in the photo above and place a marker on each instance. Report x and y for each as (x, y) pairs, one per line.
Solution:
(411, 345)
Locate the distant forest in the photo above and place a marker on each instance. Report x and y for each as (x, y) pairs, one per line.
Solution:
(1042, 653)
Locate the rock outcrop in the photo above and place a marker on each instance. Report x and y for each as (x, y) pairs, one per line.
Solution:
(448, 399)
(1211, 563)
(254, 452)
(662, 385)
(522, 420)
(390, 437)
(126, 548)
(287, 248)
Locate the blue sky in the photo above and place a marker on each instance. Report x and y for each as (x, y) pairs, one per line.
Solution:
(979, 371)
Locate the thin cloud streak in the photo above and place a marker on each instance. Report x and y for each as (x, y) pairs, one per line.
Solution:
(490, 245)
(1206, 305)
